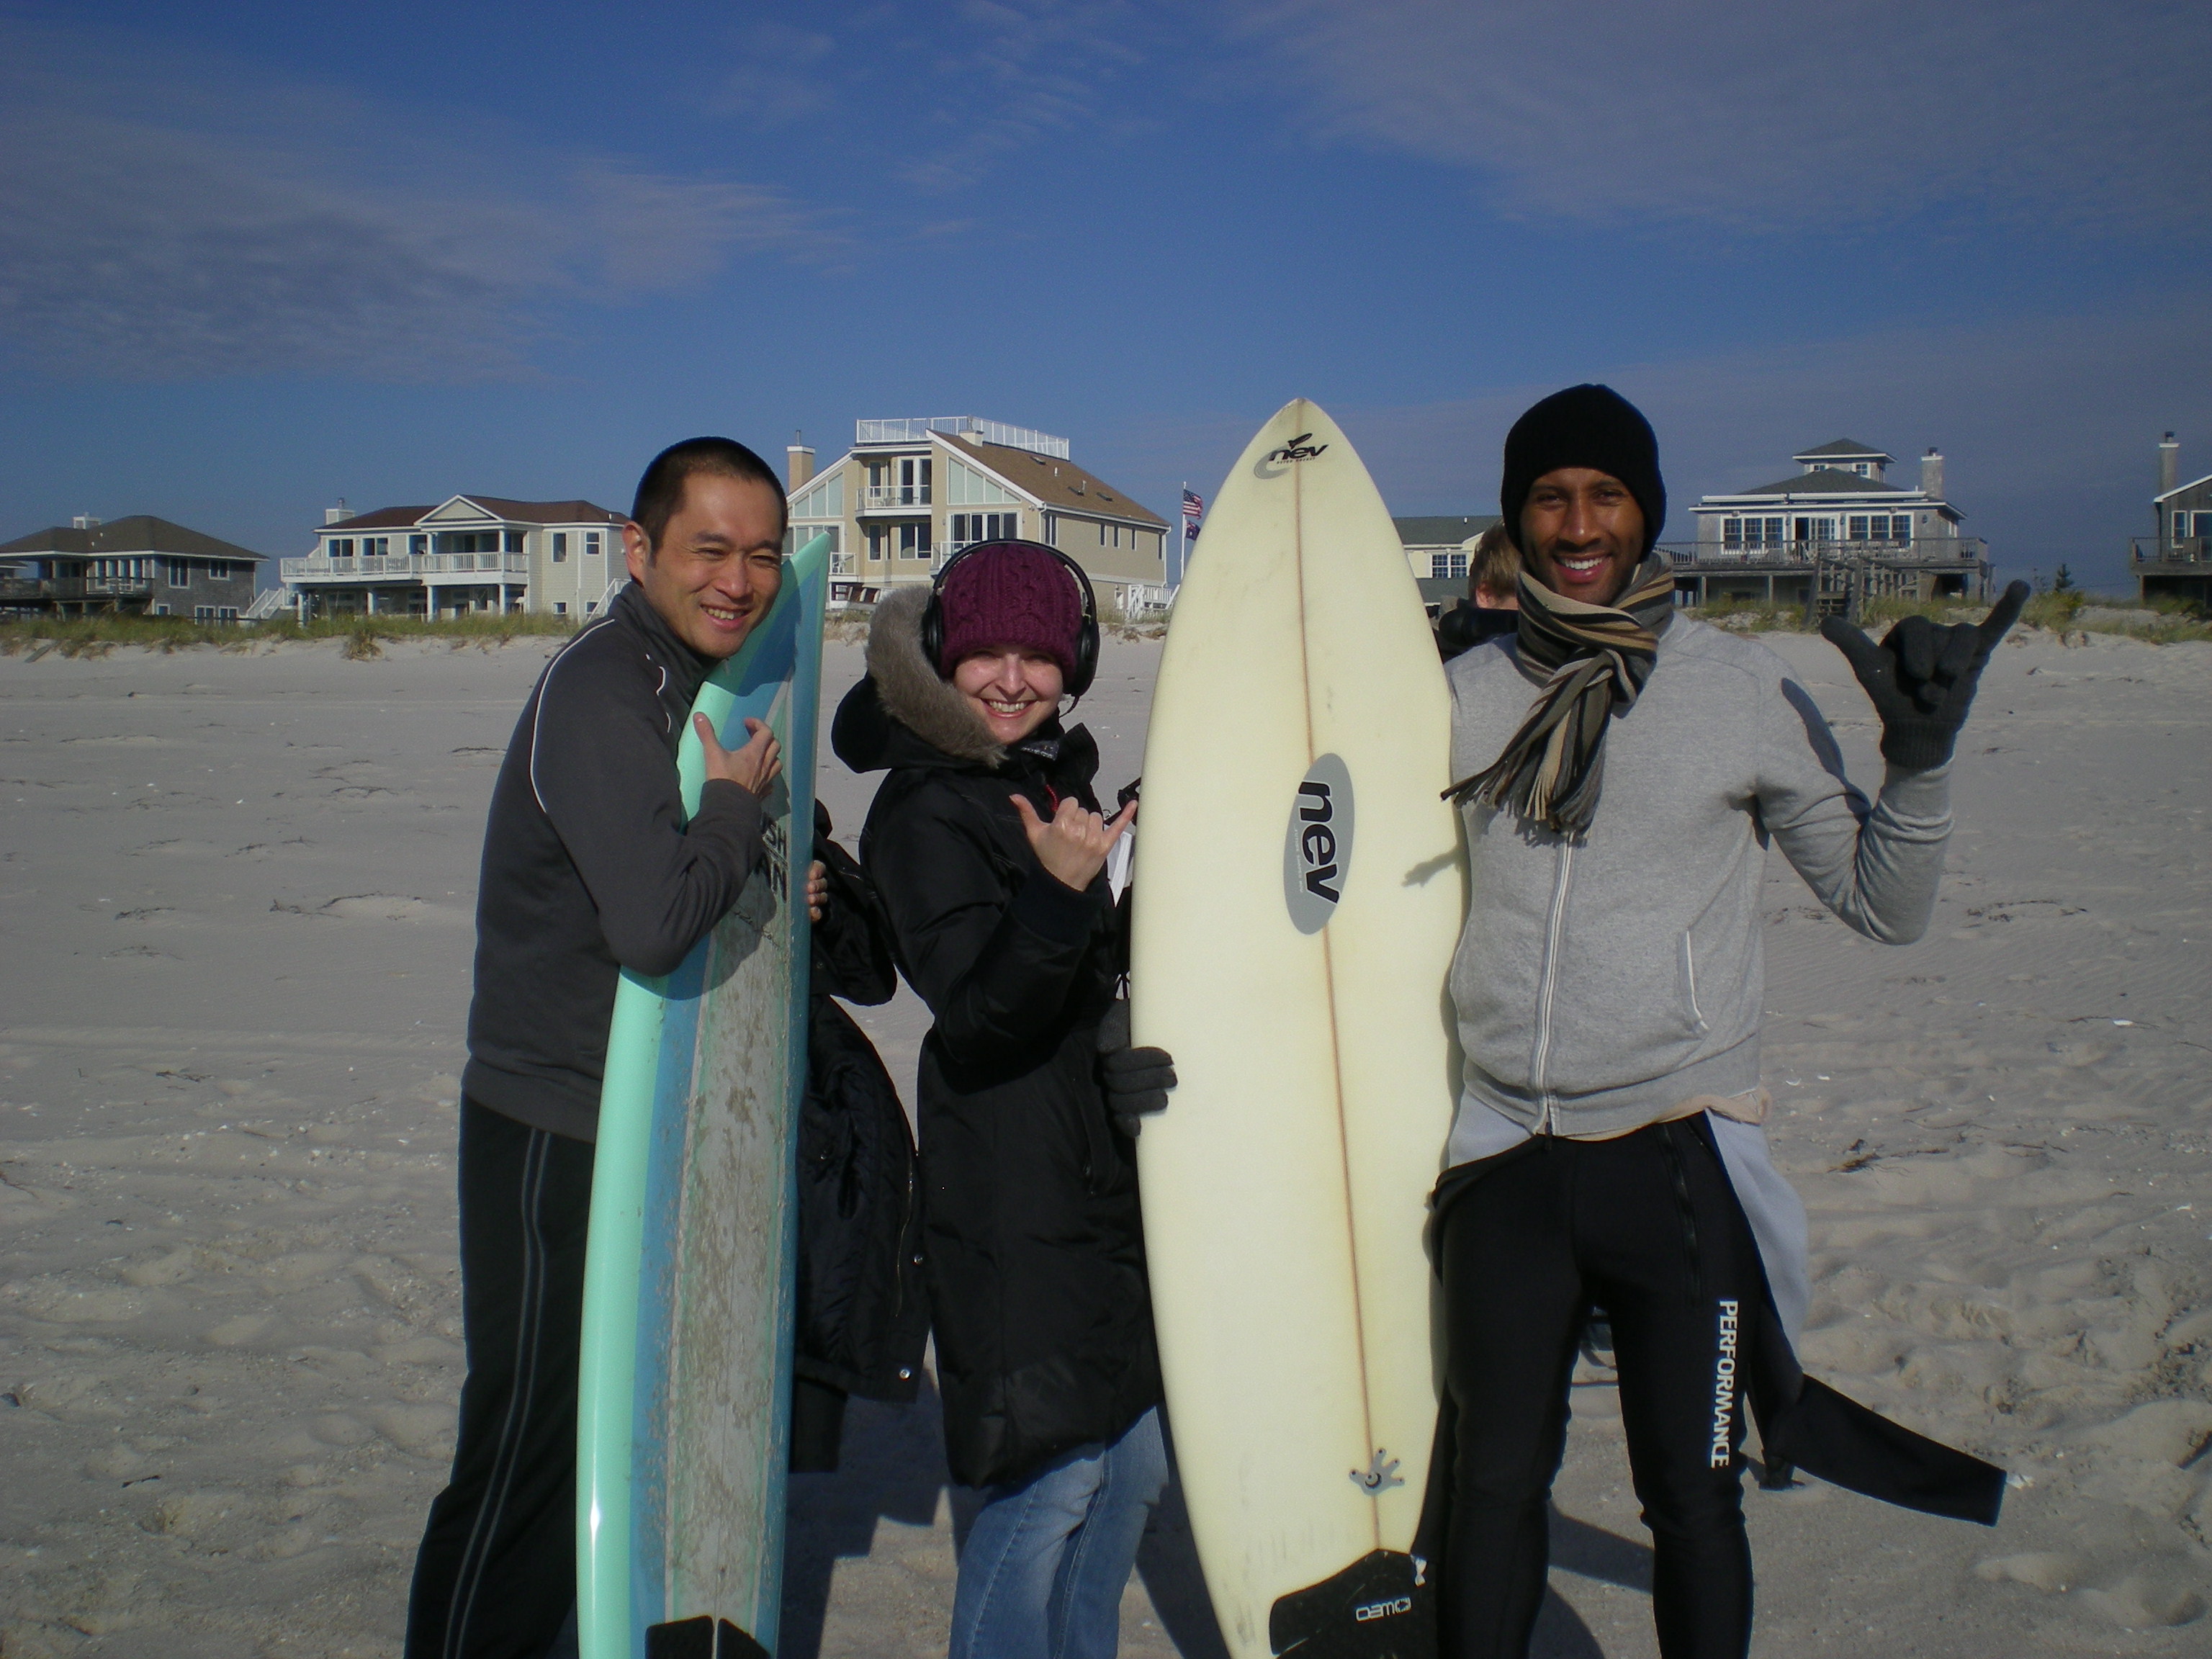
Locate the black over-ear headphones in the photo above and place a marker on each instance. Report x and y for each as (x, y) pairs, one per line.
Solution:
(1086, 635)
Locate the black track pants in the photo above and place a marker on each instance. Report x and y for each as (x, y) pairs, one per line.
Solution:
(1646, 1227)
(497, 1569)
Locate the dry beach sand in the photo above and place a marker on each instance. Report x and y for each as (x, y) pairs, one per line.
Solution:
(235, 894)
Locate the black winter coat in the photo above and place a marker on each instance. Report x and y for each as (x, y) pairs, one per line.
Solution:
(1035, 1243)
(862, 1316)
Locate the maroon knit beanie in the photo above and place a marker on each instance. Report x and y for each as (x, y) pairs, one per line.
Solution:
(1010, 593)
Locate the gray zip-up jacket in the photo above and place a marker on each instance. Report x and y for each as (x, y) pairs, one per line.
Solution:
(1602, 980)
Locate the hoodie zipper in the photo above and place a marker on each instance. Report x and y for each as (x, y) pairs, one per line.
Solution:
(1547, 985)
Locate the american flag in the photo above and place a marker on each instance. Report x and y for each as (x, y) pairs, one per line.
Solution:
(1191, 505)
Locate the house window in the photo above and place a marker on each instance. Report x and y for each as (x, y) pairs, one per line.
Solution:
(342, 548)
(180, 572)
(1447, 567)
(985, 526)
(161, 609)
(514, 541)
(383, 546)
(560, 547)
(560, 607)
(1858, 527)
(875, 541)
(800, 534)
(418, 545)
(227, 613)
(203, 613)
(1101, 535)
(914, 541)
(590, 543)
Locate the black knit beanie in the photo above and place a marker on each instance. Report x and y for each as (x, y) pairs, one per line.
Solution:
(1591, 426)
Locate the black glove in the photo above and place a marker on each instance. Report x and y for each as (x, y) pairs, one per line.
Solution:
(1136, 1081)
(1922, 677)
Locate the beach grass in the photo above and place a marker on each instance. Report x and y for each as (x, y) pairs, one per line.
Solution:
(362, 636)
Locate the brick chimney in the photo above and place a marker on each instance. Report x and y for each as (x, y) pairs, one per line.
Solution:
(1931, 474)
(2169, 463)
(802, 462)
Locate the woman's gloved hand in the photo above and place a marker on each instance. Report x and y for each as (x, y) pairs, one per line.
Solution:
(1922, 677)
(1136, 1081)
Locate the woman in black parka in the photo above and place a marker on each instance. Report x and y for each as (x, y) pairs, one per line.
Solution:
(987, 848)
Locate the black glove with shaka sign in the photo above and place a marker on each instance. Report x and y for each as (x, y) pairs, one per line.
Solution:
(1922, 677)
(1136, 1081)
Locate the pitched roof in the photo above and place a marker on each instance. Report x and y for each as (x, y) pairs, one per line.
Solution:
(1845, 446)
(1448, 531)
(1825, 482)
(402, 518)
(141, 532)
(1058, 484)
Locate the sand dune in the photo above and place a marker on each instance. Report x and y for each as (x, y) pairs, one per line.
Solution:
(234, 894)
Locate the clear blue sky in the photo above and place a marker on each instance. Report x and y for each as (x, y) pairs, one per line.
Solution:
(256, 256)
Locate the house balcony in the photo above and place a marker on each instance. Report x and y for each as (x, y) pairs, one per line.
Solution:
(2192, 552)
(1802, 556)
(893, 498)
(408, 567)
(72, 589)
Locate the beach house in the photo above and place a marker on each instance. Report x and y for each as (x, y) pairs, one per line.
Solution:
(140, 565)
(1830, 536)
(469, 555)
(912, 492)
(2174, 562)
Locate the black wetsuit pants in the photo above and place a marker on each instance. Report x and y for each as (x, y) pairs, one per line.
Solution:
(496, 1574)
(1646, 1227)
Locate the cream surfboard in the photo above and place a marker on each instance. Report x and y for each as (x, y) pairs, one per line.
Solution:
(1299, 891)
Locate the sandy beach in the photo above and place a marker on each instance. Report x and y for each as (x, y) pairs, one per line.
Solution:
(236, 891)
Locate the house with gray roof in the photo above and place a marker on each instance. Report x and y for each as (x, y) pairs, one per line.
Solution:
(1830, 536)
(467, 554)
(2175, 561)
(139, 566)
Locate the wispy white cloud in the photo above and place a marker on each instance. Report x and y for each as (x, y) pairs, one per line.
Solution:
(2092, 114)
(1005, 76)
(222, 225)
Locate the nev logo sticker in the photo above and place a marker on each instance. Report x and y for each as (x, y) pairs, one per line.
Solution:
(1317, 844)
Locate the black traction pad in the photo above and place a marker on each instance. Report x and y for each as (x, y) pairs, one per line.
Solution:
(1380, 1606)
(702, 1637)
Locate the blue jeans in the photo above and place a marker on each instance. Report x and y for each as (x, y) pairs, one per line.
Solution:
(1048, 1558)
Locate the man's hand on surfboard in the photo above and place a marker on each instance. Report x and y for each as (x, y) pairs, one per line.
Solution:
(755, 766)
(1073, 845)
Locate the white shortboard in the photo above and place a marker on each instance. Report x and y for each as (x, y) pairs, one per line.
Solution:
(1299, 891)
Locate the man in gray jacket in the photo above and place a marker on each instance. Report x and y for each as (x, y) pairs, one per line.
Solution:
(1625, 770)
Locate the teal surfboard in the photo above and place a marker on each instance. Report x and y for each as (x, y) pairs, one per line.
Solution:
(684, 1390)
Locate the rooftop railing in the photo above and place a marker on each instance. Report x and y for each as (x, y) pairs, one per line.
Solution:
(916, 429)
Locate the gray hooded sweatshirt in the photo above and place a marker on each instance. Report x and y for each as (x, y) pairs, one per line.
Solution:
(1603, 979)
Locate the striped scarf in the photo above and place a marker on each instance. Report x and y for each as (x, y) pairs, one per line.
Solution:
(1598, 658)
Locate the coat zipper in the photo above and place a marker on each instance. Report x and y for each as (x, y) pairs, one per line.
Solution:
(1549, 984)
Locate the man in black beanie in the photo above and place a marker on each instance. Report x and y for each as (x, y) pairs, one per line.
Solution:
(1607, 1152)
